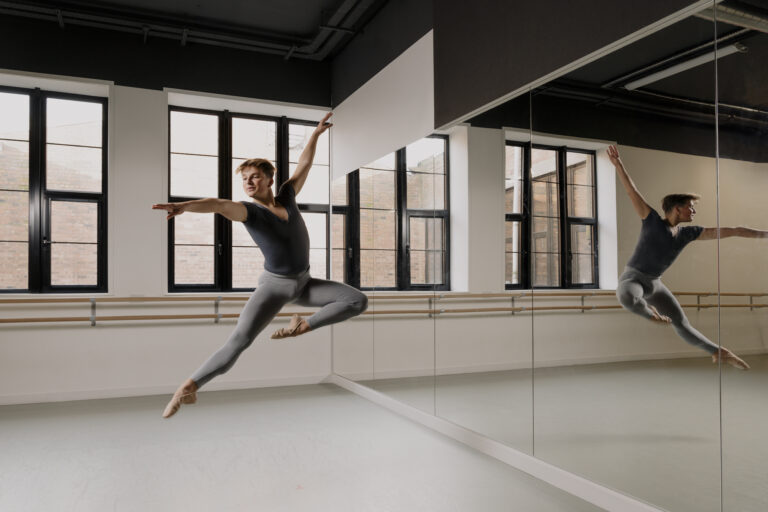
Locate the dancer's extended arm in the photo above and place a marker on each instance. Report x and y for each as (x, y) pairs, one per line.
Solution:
(308, 155)
(741, 232)
(229, 209)
(641, 207)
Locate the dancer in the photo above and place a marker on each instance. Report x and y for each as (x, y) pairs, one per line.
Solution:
(640, 289)
(275, 224)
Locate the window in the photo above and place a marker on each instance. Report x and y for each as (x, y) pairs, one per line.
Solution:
(394, 216)
(208, 252)
(550, 217)
(53, 178)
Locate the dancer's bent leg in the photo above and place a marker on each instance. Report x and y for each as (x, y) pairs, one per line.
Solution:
(337, 302)
(271, 295)
(630, 292)
(667, 305)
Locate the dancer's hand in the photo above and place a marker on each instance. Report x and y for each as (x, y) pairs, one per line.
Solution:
(173, 209)
(323, 125)
(613, 154)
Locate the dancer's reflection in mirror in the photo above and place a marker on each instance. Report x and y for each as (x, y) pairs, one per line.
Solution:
(640, 289)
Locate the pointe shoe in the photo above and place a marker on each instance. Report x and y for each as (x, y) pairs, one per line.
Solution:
(291, 330)
(731, 359)
(658, 317)
(175, 404)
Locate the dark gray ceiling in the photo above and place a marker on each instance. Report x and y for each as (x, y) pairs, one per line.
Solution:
(305, 29)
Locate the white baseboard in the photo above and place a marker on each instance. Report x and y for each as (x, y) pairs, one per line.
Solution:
(575, 485)
(96, 394)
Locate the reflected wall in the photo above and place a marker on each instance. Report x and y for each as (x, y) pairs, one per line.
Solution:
(531, 347)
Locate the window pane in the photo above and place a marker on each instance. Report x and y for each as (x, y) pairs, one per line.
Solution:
(580, 201)
(247, 266)
(194, 176)
(339, 191)
(513, 163)
(512, 268)
(193, 229)
(377, 229)
(426, 233)
(14, 165)
(253, 138)
(73, 168)
(581, 239)
(546, 234)
(426, 191)
(73, 264)
(426, 155)
(316, 227)
(580, 170)
(74, 222)
(377, 268)
(581, 268)
(317, 263)
(545, 199)
(14, 123)
(546, 271)
(196, 134)
(315, 189)
(338, 244)
(377, 189)
(73, 122)
(338, 265)
(13, 265)
(513, 193)
(238, 194)
(427, 267)
(240, 235)
(513, 236)
(298, 136)
(544, 165)
(193, 264)
(14, 212)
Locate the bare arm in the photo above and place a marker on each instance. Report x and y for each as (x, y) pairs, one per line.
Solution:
(308, 155)
(741, 232)
(229, 209)
(641, 207)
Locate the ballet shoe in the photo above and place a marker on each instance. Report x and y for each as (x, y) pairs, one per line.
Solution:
(291, 330)
(731, 359)
(177, 400)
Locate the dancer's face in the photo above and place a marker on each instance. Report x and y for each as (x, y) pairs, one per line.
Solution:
(687, 212)
(255, 183)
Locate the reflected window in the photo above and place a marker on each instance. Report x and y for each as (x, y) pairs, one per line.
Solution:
(64, 248)
(550, 217)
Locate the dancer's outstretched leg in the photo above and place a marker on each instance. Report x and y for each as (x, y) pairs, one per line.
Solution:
(337, 302)
(668, 305)
(271, 295)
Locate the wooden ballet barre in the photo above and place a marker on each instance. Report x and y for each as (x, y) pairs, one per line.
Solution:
(441, 311)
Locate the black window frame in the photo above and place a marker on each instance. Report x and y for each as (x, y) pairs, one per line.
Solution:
(402, 231)
(41, 198)
(222, 237)
(525, 217)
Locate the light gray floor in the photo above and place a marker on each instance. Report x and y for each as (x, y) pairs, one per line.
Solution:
(307, 448)
(649, 429)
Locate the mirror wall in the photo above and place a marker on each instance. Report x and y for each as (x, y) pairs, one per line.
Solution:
(524, 340)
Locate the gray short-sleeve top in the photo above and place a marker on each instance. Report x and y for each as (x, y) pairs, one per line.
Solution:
(657, 247)
(285, 244)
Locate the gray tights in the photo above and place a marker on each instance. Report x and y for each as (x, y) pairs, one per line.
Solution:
(337, 302)
(637, 290)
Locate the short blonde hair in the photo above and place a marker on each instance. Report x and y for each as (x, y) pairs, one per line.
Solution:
(673, 200)
(262, 164)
